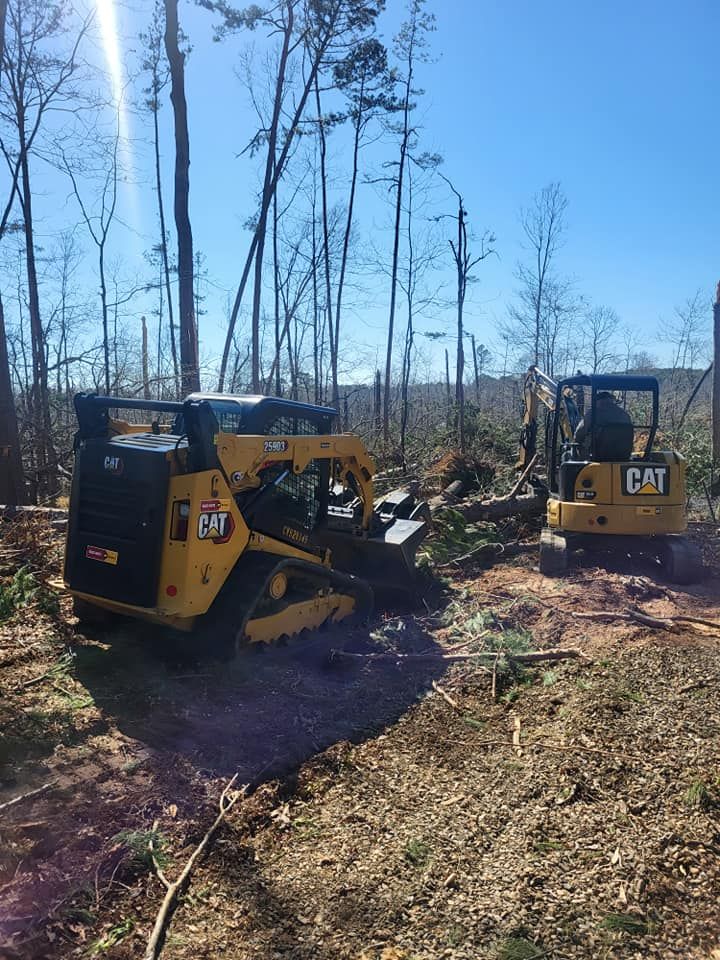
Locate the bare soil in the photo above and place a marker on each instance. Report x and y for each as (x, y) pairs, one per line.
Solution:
(576, 814)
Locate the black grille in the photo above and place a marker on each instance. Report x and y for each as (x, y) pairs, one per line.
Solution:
(121, 514)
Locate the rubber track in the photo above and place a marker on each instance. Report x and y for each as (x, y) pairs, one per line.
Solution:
(247, 585)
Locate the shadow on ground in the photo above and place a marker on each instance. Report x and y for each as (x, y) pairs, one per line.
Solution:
(172, 720)
(263, 713)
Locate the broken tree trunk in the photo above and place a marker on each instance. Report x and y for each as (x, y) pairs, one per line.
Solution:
(716, 381)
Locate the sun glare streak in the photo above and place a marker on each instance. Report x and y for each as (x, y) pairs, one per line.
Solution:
(110, 38)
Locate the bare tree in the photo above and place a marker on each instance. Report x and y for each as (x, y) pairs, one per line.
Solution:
(689, 337)
(12, 485)
(601, 325)
(364, 78)
(154, 62)
(410, 45)
(464, 265)
(37, 79)
(315, 30)
(98, 224)
(189, 360)
(540, 293)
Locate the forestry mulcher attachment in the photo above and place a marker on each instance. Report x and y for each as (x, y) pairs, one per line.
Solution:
(608, 488)
(245, 513)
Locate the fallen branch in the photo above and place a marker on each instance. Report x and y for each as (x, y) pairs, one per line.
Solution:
(487, 550)
(521, 480)
(533, 656)
(657, 623)
(227, 801)
(27, 796)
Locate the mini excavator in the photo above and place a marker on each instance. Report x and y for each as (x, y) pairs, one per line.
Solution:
(613, 491)
(244, 513)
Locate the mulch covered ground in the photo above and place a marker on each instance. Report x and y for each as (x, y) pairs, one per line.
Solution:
(400, 811)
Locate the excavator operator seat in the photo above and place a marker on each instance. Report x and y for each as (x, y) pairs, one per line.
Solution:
(612, 442)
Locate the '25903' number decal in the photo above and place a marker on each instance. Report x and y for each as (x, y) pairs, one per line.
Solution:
(275, 446)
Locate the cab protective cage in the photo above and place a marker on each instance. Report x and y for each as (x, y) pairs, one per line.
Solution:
(599, 382)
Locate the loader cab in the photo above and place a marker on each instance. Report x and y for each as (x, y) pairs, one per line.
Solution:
(264, 416)
(293, 504)
(580, 399)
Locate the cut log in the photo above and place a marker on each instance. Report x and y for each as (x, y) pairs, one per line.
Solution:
(527, 505)
(9, 511)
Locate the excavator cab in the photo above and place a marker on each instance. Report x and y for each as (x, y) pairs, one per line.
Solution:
(602, 419)
(609, 488)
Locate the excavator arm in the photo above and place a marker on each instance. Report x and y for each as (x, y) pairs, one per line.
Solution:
(539, 388)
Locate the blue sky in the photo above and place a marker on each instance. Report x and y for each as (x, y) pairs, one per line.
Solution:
(617, 101)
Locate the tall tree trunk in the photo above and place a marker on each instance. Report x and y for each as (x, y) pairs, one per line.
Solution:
(276, 289)
(269, 186)
(189, 360)
(396, 253)
(448, 394)
(145, 364)
(318, 54)
(12, 484)
(164, 254)
(348, 224)
(716, 381)
(475, 365)
(461, 259)
(47, 460)
(315, 308)
(326, 249)
(105, 325)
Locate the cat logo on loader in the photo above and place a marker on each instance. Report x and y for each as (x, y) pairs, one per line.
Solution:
(646, 481)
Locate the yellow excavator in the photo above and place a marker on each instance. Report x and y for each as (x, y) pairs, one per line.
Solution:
(245, 513)
(608, 487)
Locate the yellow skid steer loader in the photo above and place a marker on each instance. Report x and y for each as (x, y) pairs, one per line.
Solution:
(246, 512)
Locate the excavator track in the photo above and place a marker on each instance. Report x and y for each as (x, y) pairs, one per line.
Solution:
(267, 598)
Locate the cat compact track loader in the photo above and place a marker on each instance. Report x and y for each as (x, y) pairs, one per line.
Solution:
(608, 488)
(245, 513)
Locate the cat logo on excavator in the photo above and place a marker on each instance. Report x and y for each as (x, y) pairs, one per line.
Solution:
(646, 481)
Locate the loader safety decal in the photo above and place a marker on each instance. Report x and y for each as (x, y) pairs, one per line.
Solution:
(217, 526)
(101, 554)
(646, 480)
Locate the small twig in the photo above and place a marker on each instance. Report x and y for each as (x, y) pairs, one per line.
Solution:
(466, 643)
(226, 803)
(27, 796)
(158, 869)
(446, 696)
(493, 689)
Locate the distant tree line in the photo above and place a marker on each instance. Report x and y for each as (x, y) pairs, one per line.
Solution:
(293, 325)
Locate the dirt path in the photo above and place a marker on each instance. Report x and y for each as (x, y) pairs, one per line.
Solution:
(389, 825)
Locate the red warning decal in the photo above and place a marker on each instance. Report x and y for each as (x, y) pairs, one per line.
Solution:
(212, 506)
(101, 554)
